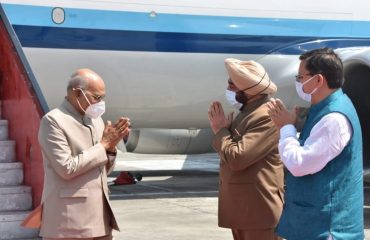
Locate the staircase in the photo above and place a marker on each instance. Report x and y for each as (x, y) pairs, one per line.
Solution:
(15, 198)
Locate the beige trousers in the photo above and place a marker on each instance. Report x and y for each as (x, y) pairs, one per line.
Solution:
(267, 234)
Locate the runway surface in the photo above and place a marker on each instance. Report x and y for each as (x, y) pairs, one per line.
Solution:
(176, 199)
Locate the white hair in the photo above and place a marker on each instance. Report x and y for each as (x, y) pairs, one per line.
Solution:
(77, 81)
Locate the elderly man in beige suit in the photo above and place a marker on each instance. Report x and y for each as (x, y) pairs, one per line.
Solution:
(251, 172)
(79, 151)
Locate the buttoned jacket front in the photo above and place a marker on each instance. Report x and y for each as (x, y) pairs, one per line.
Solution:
(75, 195)
(251, 172)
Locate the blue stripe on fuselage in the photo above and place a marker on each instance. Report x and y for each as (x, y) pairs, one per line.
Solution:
(95, 39)
(48, 37)
(137, 31)
(186, 23)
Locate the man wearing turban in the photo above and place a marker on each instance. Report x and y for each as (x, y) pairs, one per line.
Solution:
(251, 172)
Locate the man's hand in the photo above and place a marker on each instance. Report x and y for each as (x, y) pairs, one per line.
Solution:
(280, 114)
(123, 125)
(114, 133)
(217, 117)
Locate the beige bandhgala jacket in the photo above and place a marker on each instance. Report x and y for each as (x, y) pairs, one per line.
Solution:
(75, 195)
(251, 172)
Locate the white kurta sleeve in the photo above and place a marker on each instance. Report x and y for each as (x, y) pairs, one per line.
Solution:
(327, 140)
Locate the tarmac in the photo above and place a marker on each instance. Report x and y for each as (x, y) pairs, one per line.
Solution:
(176, 198)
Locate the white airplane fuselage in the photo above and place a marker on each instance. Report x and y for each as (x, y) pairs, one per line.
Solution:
(163, 61)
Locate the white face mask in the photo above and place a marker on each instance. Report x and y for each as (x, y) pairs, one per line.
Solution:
(230, 97)
(93, 110)
(299, 88)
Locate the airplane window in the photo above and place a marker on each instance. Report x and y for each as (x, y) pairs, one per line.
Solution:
(58, 15)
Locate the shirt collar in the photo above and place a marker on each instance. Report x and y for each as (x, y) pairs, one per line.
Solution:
(74, 113)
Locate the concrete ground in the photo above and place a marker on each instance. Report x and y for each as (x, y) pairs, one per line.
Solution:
(177, 202)
(173, 205)
(176, 199)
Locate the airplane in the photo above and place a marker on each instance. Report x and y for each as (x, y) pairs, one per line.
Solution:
(163, 61)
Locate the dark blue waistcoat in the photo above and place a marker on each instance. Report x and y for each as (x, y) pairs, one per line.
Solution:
(331, 200)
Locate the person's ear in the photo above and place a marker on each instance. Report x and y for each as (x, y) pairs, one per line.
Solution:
(77, 91)
(320, 79)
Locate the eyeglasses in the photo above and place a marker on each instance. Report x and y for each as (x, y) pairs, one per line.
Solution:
(97, 98)
(299, 77)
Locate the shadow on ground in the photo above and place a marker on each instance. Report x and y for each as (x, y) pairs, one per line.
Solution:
(167, 184)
